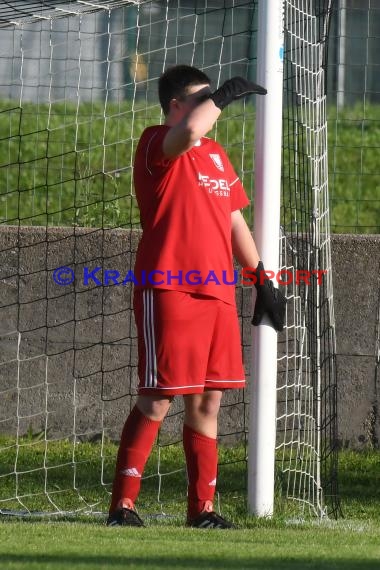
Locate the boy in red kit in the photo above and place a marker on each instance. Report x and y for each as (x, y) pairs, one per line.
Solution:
(188, 334)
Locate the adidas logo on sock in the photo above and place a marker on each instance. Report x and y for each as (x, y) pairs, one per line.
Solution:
(131, 472)
(212, 483)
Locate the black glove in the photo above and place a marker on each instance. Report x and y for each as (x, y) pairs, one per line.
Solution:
(269, 301)
(233, 89)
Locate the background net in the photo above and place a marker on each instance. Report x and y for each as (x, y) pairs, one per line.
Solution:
(76, 93)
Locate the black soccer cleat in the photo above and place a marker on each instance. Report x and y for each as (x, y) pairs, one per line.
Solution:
(209, 520)
(124, 517)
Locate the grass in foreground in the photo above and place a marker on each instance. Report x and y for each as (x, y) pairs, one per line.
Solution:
(61, 546)
(284, 542)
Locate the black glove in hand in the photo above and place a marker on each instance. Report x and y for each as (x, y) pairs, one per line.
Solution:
(233, 89)
(269, 301)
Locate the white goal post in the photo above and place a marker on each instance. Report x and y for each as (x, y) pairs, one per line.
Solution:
(268, 152)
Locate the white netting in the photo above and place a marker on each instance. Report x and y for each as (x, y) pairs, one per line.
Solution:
(306, 417)
(76, 93)
(18, 12)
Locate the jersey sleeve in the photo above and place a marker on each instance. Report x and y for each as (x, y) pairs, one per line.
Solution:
(154, 156)
(239, 198)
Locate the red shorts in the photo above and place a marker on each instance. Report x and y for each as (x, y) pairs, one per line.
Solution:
(186, 343)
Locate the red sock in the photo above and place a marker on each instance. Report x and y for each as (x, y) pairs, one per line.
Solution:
(202, 465)
(137, 439)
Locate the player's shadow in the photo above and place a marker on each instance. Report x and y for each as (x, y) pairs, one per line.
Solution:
(156, 562)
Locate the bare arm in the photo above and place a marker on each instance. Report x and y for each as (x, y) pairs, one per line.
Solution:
(197, 123)
(243, 245)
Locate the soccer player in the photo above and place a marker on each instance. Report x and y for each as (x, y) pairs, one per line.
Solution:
(184, 302)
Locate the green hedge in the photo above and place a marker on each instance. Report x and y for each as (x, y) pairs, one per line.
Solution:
(53, 162)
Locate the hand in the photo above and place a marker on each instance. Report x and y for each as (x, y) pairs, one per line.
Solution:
(269, 301)
(233, 89)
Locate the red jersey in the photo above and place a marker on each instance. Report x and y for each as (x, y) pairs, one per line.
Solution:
(185, 207)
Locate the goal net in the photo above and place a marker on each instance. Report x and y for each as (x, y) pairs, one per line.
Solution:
(307, 415)
(78, 86)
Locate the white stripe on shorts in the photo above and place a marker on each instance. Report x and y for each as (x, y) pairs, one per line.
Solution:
(150, 346)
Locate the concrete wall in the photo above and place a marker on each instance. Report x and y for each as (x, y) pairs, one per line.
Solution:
(46, 384)
(356, 279)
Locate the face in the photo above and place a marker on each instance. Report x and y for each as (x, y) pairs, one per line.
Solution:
(194, 96)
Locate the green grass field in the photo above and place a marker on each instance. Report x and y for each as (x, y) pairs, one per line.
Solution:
(283, 542)
(64, 546)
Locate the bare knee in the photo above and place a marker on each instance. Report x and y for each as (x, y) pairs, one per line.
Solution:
(210, 404)
(205, 405)
(154, 407)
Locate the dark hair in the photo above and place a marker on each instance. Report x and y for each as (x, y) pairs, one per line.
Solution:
(174, 82)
